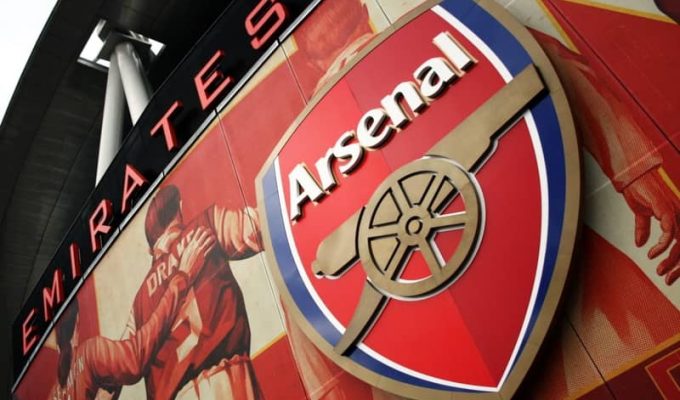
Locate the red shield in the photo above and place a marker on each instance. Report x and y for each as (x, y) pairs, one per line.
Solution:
(426, 255)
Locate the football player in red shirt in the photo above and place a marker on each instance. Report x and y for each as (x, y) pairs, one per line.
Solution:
(206, 353)
(103, 363)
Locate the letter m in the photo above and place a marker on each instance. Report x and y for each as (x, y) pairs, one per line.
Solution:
(53, 296)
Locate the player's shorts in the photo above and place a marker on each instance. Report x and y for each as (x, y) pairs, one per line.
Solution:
(231, 379)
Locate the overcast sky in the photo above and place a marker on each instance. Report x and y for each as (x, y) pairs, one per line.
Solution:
(21, 22)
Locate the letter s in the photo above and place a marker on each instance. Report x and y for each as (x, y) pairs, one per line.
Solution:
(255, 24)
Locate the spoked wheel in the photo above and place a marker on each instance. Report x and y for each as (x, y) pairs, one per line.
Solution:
(405, 213)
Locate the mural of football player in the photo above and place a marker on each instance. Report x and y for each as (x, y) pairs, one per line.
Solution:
(618, 313)
(206, 352)
(624, 153)
(99, 362)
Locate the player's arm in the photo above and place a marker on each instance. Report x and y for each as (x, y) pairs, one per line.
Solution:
(237, 231)
(112, 393)
(113, 362)
(123, 362)
(607, 127)
(624, 152)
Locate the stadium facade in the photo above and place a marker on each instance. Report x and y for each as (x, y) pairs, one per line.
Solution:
(355, 199)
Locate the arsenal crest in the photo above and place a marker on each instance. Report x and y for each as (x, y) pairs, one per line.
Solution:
(420, 214)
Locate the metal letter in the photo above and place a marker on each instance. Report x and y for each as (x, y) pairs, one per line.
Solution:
(300, 178)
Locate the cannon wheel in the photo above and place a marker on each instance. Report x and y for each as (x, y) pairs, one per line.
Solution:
(404, 215)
